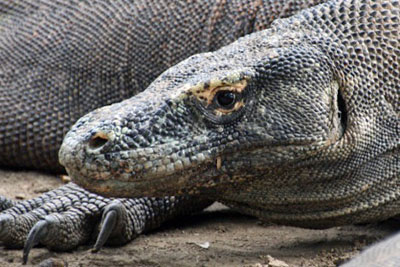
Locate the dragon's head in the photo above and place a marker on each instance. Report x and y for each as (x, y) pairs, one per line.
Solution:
(214, 120)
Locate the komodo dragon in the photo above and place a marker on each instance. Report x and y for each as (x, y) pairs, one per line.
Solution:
(313, 101)
(63, 58)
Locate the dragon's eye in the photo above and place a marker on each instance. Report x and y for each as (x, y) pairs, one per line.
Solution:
(225, 99)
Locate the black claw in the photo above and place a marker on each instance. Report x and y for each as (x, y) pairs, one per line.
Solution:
(107, 226)
(38, 231)
(112, 212)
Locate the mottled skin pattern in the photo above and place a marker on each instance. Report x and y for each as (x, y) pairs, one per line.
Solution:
(298, 124)
(62, 59)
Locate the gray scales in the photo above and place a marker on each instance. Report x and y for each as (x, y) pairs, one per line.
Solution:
(298, 124)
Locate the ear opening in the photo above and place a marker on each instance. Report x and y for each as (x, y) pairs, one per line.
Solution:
(342, 110)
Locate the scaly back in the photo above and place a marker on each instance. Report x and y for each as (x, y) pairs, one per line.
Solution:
(61, 59)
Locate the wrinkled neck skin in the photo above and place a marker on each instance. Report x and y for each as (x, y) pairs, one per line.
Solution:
(271, 124)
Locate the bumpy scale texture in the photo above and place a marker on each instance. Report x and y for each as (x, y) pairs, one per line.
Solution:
(62, 59)
(298, 124)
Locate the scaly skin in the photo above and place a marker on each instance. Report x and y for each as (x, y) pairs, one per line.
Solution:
(61, 59)
(298, 124)
(75, 56)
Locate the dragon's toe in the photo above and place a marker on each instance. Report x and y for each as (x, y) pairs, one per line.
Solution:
(112, 213)
(6, 203)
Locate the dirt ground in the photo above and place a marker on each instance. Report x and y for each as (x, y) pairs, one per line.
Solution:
(216, 237)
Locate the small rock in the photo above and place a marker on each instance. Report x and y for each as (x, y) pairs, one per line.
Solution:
(65, 179)
(204, 245)
(272, 262)
(53, 262)
(20, 196)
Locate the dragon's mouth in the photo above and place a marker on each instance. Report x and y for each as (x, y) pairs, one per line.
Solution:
(209, 171)
(184, 182)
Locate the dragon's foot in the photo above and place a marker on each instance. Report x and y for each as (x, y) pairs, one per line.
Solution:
(67, 217)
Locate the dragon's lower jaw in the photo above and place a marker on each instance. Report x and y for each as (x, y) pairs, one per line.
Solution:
(115, 186)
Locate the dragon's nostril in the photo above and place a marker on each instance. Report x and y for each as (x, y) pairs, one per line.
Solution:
(98, 140)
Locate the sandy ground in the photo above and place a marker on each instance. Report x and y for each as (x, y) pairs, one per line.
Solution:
(216, 237)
